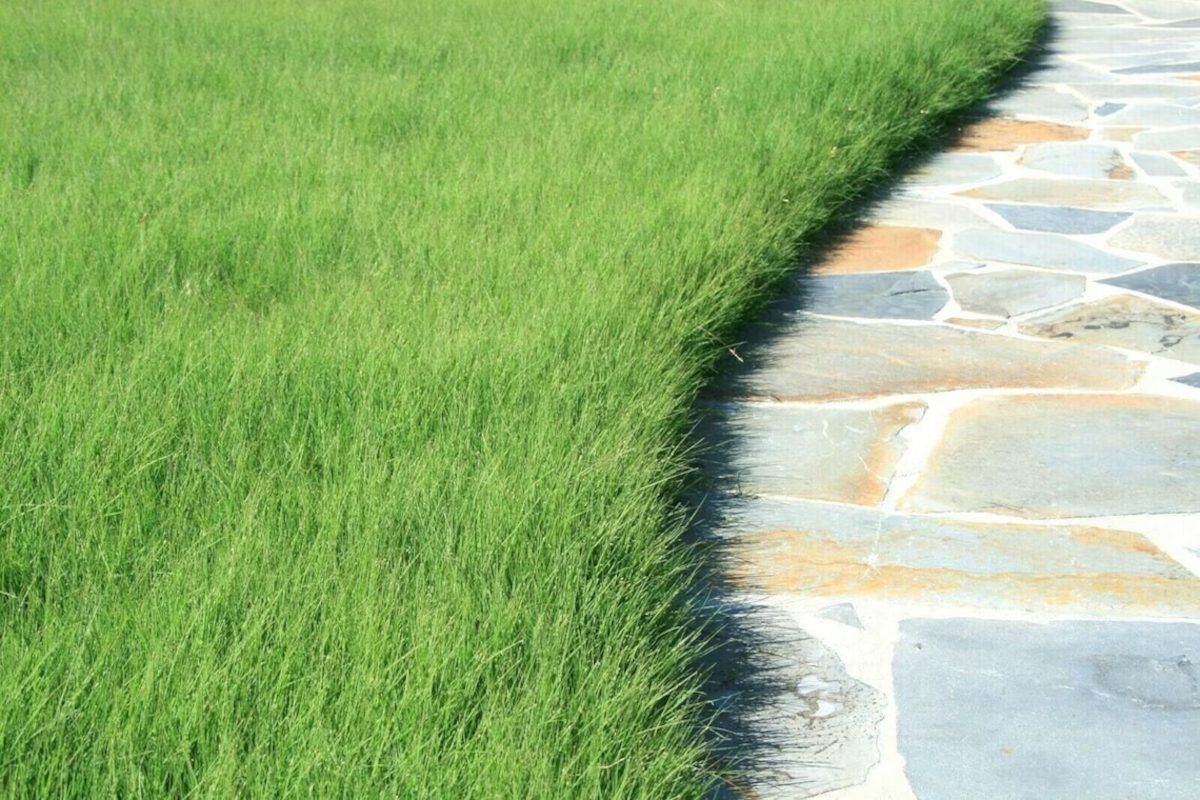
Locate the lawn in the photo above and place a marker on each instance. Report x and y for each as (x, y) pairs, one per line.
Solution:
(346, 357)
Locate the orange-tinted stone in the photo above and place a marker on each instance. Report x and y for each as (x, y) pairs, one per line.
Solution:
(997, 135)
(1084, 193)
(1121, 134)
(882, 248)
(982, 324)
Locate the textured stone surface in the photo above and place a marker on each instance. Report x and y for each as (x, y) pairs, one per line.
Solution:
(995, 135)
(972, 322)
(1079, 160)
(1097, 710)
(1057, 456)
(1189, 380)
(954, 168)
(1058, 219)
(825, 360)
(1156, 165)
(877, 248)
(909, 212)
(1163, 236)
(1039, 250)
(1157, 114)
(1179, 139)
(841, 455)
(1042, 103)
(1014, 292)
(879, 295)
(1179, 283)
(1100, 194)
(1125, 321)
(1121, 134)
(829, 550)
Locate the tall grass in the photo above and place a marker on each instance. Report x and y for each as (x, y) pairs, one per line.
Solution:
(345, 356)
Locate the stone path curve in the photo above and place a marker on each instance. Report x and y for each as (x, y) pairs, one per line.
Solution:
(965, 479)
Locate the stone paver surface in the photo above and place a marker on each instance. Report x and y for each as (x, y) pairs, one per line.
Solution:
(957, 483)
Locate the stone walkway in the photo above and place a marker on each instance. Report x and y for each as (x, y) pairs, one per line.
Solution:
(961, 482)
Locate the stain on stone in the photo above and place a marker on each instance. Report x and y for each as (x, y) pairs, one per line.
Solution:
(1134, 323)
(1079, 160)
(1085, 193)
(1002, 135)
(1179, 283)
(881, 248)
(1014, 292)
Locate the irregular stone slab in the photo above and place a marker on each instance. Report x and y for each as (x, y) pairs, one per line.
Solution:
(1039, 250)
(972, 322)
(1189, 380)
(1191, 194)
(1058, 219)
(826, 550)
(999, 709)
(1180, 139)
(909, 212)
(1183, 23)
(1157, 166)
(875, 295)
(1085, 6)
(1179, 283)
(1080, 160)
(1160, 69)
(843, 613)
(1158, 115)
(837, 455)
(1121, 134)
(954, 168)
(1002, 135)
(1163, 236)
(1190, 156)
(1107, 109)
(1066, 72)
(1014, 292)
(1043, 103)
(825, 359)
(1134, 323)
(1056, 456)
(1167, 10)
(1136, 91)
(1104, 195)
(881, 248)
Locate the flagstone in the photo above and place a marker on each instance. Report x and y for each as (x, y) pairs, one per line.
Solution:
(1121, 134)
(878, 248)
(996, 134)
(825, 359)
(1190, 193)
(1190, 156)
(1134, 323)
(1045, 103)
(1189, 380)
(975, 322)
(1179, 283)
(1107, 109)
(1079, 160)
(1158, 166)
(906, 211)
(1079, 6)
(814, 453)
(1014, 292)
(1058, 219)
(1098, 194)
(1160, 69)
(1057, 456)
(1069, 709)
(877, 295)
(1039, 250)
(954, 168)
(1135, 91)
(830, 550)
(843, 613)
(1179, 139)
(1163, 236)
(1157, 115)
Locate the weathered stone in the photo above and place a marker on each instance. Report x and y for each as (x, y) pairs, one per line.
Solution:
(1043, 103)
(1179, 283)
(1160, 69)
(1125, 321)
(1179, 139)
(1079, 160)
(1057, 456)
(1107, 109)
(1190, 156)
(843, 613)
(1121, 134)
(910, 212)
(875, 295)
(826, 359)
(1058, 219)
(1065, 72)
(1157, 166)
(881, 248)
(1039, 250)
(1136, 91)
(1014, 292)
(1163, 236)
(1157, 115)
(1002, 135)
(1000, 709)
(827, 550)
(1189, 380)
(837, 455)
(955, 168)
(973, 322)
(1100, 194)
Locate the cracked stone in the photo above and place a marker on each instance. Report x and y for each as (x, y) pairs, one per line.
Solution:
(1134, 323)
(879, 295)
(880, 248)
(1059, 456)
(1039, 250)
(1179, 283)
(1098, 194)
(1014, 292)
(1058, 219)
(825, 359)
(1163, 236)
(1002, 135)
(1079, 160)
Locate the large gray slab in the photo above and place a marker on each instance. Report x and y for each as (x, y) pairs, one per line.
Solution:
(878, 295)
(1173, 237)
(1189, 380)
(1105, 195)
(1019, 711)
(1041, 103)
(909, 211)
(955, 168)
(1072, 158)
(1156, 115)
(1014, 292)
(824, 359)
(1060, 456)
(1039, 250)
(1158, 166)
(1127, 321)
(1179, 283)
(1179, 139)
(1058, 219)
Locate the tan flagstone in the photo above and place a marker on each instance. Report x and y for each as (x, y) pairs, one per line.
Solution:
(995, 135)
(882, 248)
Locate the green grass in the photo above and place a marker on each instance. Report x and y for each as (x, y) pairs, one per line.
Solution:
(346, 352)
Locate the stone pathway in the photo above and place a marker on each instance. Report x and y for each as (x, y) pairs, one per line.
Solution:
(961, 486)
